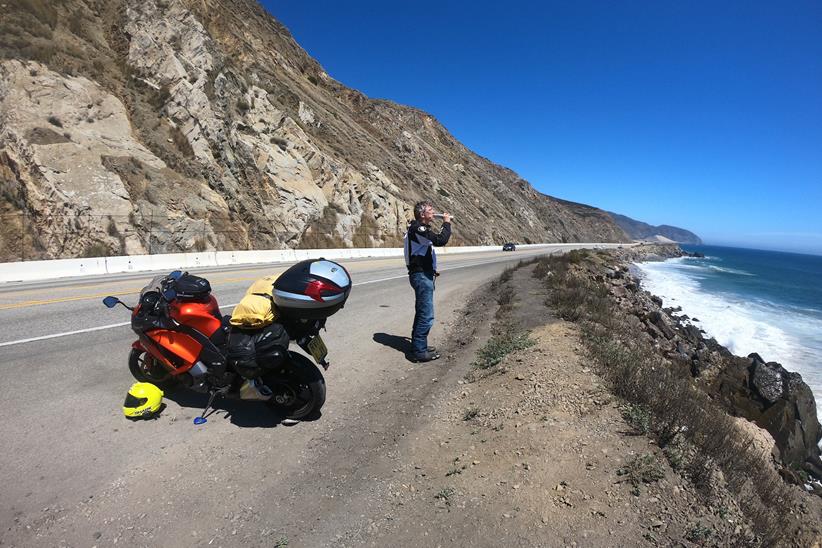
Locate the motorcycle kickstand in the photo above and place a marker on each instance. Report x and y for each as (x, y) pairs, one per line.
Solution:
(212, 395)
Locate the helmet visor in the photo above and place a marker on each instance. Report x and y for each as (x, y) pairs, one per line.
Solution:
(132, 401)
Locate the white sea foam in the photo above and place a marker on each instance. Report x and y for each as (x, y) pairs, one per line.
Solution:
(776, 333)
(730, 270)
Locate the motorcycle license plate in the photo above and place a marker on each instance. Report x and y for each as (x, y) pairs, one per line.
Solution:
(317, 349)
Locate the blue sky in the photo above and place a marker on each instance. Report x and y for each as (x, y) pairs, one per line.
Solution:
(704, 115)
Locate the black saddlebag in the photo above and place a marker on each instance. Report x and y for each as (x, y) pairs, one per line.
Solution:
(249, 352)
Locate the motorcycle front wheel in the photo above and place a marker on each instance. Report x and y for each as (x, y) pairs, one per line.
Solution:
(298, 387)
(145, 368)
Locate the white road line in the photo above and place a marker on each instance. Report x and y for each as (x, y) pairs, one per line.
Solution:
(112, 326)
(66, 334)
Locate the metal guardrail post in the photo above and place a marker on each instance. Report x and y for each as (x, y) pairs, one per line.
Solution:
(22, 236)
(150, 226)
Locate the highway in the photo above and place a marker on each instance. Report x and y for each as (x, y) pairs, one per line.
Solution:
(76, 472)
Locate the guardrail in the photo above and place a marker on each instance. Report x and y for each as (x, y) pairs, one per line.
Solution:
(63, 268)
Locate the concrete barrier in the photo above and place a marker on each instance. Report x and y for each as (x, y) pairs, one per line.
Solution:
(57, 268)
(62, 268)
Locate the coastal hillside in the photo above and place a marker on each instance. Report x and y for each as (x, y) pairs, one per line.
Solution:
(638, 230)
(175, 125)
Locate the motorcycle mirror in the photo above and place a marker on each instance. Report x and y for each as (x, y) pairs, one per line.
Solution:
(111, 302)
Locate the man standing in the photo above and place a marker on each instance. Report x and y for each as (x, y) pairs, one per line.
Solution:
(421, 261)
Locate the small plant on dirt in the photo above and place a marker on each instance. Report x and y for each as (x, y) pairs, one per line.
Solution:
(470, 413)
(500, 346)
(675, 453)
(455, 470)
(644, 468)
(55, 121)
(445, 495)
(506, 296)
(698, 533)
(576, 256)
(542, 269)
(638, 417)
(96, 249)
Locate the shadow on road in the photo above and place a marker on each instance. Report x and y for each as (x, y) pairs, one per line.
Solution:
(398, 343)
(242, 413)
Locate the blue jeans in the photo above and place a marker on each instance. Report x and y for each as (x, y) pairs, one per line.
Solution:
(423, 284)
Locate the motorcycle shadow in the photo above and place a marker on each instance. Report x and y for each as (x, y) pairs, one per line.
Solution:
(242, 413)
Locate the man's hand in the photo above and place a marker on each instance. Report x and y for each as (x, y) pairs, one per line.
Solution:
(446, 217)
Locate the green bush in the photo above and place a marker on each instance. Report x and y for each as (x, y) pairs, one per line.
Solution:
(500, 346)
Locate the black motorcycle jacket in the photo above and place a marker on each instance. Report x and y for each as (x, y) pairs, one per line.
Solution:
(419, 246)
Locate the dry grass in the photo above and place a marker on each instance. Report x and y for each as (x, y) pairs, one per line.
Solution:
(696, 435)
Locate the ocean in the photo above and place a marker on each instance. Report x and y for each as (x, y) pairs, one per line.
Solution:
(750, 301)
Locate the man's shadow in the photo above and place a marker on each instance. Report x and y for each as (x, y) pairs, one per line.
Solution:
(398, 343)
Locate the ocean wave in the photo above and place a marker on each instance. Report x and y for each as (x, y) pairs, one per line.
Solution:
(730, 270)
(743, 325)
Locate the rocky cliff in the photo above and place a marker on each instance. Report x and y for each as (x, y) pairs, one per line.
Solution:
(169, 125)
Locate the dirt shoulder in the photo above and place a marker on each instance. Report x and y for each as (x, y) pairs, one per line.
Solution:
(536, 451)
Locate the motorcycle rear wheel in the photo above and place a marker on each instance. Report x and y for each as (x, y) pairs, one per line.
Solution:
(298, 386)
(145, 368)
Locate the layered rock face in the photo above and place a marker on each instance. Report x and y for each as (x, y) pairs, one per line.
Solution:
(162, 126)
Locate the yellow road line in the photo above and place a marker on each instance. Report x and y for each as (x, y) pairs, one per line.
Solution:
(64, 299)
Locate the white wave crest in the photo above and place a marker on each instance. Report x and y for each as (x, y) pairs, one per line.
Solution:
(730, 270)
(743, 325)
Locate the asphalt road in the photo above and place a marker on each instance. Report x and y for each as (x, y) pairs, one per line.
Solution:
(75, 472)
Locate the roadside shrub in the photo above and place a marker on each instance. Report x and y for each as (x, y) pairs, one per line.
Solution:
(638, 417)
(576, 256)
(506, 296)
(500, 346)
(644, 468)
(96, 249)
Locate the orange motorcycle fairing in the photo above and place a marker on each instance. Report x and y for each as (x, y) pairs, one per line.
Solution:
(184, 347)
(203, 316)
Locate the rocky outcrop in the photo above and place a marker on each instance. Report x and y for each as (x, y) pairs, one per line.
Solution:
(171, 125)
(779, 401)
(765, 393)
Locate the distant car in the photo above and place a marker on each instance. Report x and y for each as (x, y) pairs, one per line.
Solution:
(509, 247)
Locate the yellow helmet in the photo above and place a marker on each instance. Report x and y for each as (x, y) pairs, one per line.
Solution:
(142, 401)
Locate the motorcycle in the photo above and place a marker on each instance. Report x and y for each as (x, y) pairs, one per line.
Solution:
(185, 342)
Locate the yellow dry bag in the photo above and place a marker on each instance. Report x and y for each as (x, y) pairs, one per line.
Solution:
(256, 309)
